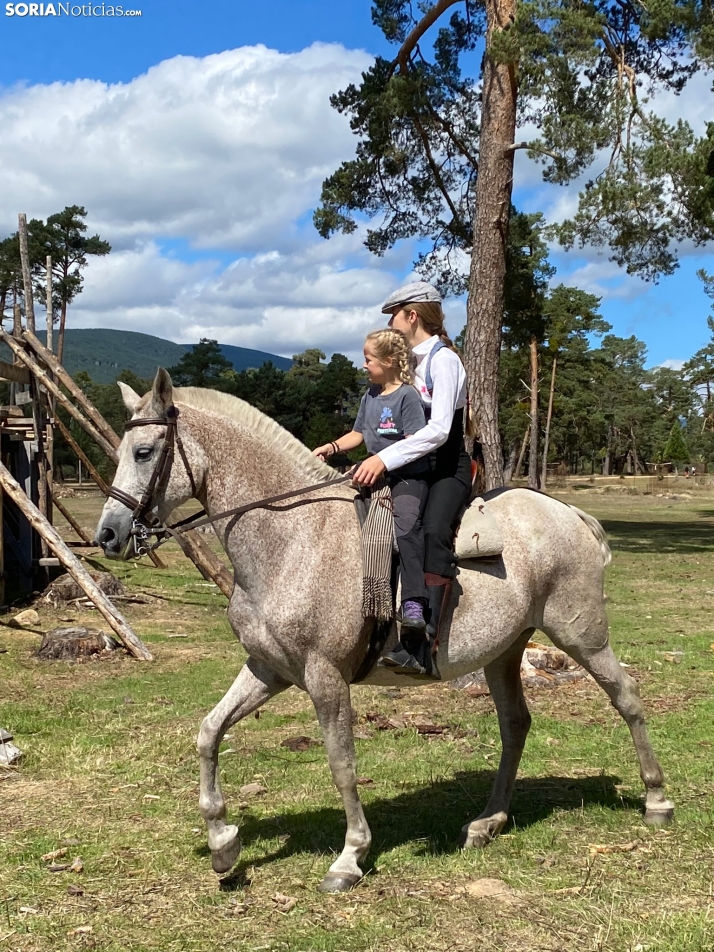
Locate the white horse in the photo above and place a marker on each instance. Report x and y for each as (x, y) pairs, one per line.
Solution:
(296, 603)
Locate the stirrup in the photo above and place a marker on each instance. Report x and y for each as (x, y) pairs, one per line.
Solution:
(401, 661)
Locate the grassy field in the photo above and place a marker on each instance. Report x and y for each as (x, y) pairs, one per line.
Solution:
(110, 775)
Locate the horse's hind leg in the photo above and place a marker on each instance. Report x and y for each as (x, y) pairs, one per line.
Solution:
(253, 687)
(592, 650)
(331, 697)
(504, 681)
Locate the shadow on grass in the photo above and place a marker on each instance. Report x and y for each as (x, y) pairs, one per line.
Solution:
(430, 815)
(665, 537)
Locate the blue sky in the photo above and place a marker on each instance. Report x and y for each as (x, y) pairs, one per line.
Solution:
(209, 211)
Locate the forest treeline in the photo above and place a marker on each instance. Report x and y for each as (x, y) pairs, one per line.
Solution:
(609, 413)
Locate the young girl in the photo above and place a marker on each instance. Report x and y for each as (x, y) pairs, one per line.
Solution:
(389, 412)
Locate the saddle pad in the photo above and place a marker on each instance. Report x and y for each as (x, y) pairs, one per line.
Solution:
(479, 535)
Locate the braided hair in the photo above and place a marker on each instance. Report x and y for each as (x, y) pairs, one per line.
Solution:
(389, 344)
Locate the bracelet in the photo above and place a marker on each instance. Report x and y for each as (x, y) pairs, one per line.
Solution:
(335, 447)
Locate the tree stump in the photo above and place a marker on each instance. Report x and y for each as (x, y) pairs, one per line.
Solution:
(71, 644)
(64, 589)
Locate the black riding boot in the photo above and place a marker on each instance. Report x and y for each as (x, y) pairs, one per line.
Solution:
(415, 652)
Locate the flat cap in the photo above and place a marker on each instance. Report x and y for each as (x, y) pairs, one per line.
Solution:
(417, 292)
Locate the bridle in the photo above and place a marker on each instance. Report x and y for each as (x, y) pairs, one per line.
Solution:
(145, 523)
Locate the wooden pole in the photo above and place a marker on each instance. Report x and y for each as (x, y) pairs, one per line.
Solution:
(533, 456)
(81, 455)
(43, 495)
(206, 561)
(2, 547)
(48, 305)
(50, 448)
(546, 439)
(71, 520)
(26, 277)
(75, 568)
(52, 387)
(17, 333)
(82, 399)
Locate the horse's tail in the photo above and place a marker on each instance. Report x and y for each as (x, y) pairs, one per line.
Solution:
(599, 533)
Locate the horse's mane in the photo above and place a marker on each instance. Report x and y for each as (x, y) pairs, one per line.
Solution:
(270, 432)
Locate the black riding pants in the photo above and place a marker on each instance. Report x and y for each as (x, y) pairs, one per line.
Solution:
(409, 499)
(448, 497)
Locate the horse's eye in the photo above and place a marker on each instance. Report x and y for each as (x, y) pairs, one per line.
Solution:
(143, 453)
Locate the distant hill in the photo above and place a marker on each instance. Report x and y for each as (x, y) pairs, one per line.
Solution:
(105, 353)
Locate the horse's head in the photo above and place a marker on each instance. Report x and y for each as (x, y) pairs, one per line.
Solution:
(160, 467)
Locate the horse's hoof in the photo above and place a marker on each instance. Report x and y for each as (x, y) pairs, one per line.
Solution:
(224, 857)
(661, 816)
(479, 833)
(338, 882)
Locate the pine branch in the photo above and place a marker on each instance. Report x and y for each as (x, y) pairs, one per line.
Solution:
(419, 30)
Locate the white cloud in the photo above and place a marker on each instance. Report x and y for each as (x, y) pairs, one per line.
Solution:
(203, 174)
(225, 151)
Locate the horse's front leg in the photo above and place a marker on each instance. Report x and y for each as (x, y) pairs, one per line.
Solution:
(255, 684)
(331, 697)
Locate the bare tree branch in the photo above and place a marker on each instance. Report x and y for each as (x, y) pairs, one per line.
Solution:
(419, 30)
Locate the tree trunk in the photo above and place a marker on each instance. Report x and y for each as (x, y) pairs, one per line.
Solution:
(488, 255)
(60, 332)
(513, 455)
(533, 480)
(524, 444)
(26, 275)
(546, 440)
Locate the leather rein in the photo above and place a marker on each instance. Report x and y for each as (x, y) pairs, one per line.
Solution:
(145, 523)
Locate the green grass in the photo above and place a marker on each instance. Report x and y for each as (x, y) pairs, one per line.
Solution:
(110, 763)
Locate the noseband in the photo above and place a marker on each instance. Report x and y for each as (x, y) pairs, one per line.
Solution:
(143, 520)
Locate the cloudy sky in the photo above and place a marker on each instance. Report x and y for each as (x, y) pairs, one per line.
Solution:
(197, 136)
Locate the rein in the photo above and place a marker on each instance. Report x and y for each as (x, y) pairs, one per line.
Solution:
(145, 523)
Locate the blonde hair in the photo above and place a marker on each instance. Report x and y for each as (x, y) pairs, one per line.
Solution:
(431, 318)
(392, 345)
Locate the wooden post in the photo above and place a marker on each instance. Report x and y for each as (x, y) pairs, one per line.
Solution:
(546, 439)
(52, 387)
(75, 568)
(26, 276)
(2, 547)
(81, 455)
(533, 456)
(48, 305)
(71, 520)
(82, 399)
(206, 561)
(17, 333)
(50, 447)
(40, 461)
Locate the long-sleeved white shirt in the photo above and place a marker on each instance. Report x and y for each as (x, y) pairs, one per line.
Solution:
(448, 396)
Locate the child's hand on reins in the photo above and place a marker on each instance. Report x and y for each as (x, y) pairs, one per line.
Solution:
(368, 472)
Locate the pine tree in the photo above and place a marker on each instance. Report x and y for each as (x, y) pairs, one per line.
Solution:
(202, 366)
(676, 449)
(435, 151)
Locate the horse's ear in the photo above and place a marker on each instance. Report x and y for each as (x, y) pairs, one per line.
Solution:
(163, 391)
(130, 397)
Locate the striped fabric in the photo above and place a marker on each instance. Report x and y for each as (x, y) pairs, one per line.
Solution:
(377, 542)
